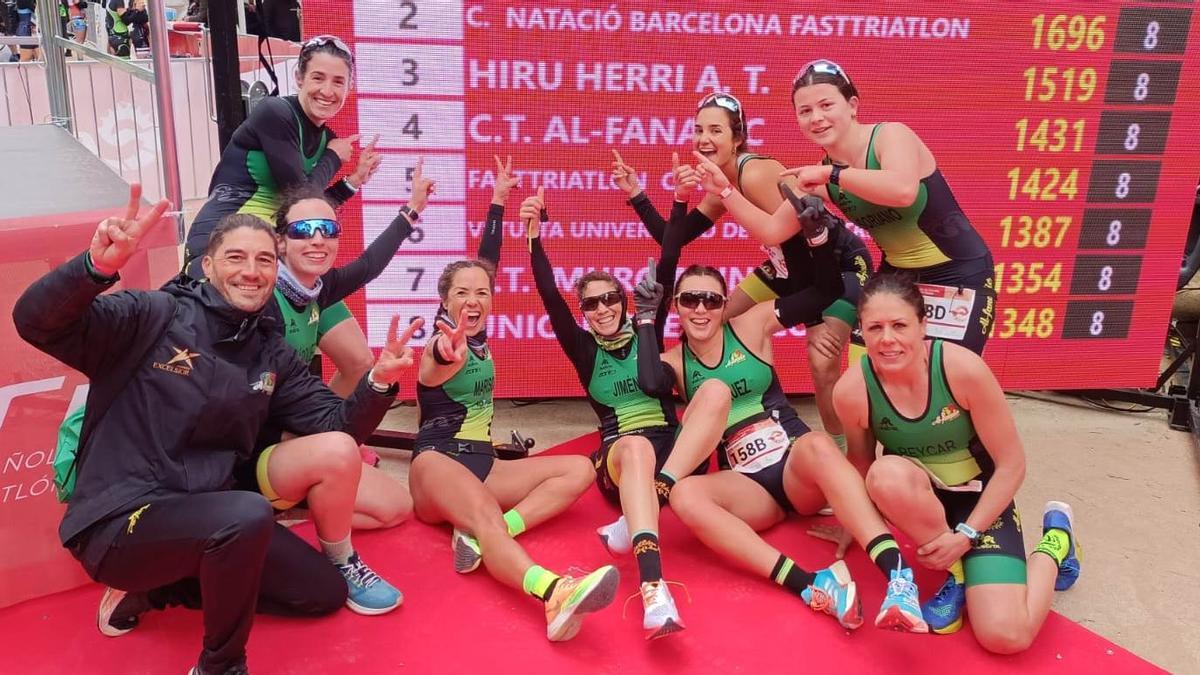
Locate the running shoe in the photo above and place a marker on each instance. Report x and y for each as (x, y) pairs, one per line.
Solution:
(1058, 516)
(236, 669)
(900, 609)
(615, 537)
(119, 611)
(572, 598)
(943, 612)
(661, 616)
(833, 592)
(467, 554)
(369, 594)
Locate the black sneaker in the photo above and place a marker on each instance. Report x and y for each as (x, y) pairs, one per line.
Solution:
(119, 611)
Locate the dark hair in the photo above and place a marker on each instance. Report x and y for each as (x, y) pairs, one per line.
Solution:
(736, 120)
(703, 271)
(235, 221)
(313, 47)
(900, 284)
(453, 268)
(811, 76)
(293, 196)
(595, 275)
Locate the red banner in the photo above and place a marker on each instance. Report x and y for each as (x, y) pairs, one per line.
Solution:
(1067, 135)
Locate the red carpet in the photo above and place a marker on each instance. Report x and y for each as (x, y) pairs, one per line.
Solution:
(449, 623)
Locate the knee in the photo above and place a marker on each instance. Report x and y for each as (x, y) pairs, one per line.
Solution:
(890, 480)
(580, 472)
(688, 499)
(396, 508)
(823, 366)
(817, 451)
(1003, 639)
(635, 455)
(713, 395)
(326, 594)
(339, 455)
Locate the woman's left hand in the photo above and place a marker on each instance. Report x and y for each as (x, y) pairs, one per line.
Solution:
(368, 163)
(944, 551)
(810, 178)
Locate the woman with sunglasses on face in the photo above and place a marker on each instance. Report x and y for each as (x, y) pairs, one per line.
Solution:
(951, 466)
(785, 278)
(771, 462)
(285, 142)
(307, 289)
(638, 427)
(886, 180)
(455, 477)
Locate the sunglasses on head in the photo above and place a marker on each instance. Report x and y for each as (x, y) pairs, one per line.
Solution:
(334, 40)
(693, 299)
(722, 100)
(824, 66)
(308, 228)
(610, 299)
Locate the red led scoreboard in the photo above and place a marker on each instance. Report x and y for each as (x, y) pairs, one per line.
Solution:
(1068, 132)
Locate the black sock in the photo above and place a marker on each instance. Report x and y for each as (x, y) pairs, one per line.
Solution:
(545, 597)
(645, 549)
(885, 553)
(791, 576)
(663, 482)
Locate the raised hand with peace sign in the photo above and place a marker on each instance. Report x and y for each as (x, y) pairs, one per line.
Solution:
(505, 181)
(117, 238)
(451, 342)
(396, 356)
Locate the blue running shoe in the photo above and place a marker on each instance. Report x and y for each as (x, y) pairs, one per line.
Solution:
(833, 592)
(943, 612)
(1058, 516)
(369, 594)
(900, 609)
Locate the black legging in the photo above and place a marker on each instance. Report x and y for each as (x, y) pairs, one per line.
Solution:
(221, 551)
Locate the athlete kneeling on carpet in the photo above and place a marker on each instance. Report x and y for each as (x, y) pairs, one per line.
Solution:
(637, 427)
(952, 463)
(455, 476)
(182, 381)
(771, 462)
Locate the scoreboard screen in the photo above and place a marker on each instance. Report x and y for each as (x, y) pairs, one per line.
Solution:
(1067, 131)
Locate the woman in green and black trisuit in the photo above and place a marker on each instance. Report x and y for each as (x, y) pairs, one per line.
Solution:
(285, 143)
(885, 180)
(455, 477)
(771, 462)
(637, 427)
(952, 463)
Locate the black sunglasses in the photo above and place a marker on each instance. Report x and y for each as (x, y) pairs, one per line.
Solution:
(610, 299)
(308, 228)
(693, 299)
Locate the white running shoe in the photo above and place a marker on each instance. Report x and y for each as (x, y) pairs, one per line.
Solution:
(467, 554)
(661, 616)
(615, 537)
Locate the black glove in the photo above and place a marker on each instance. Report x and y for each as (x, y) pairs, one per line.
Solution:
(647, 295)
(810, 210)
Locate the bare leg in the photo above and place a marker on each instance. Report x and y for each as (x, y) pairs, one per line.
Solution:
(382, 501)
(324, 469)
(817, 470)
(726, 510)
(903, 493)
(703, 423)
(346, 346)
(826, 370)
(445, 491)
(538, 488)
(633, 457)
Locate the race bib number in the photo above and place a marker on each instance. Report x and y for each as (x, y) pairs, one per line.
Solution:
(756, 446)
(947, 310)
(775, 254)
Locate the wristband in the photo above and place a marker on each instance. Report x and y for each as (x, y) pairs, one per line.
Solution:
(349, 185)
(376, 386)
(97, 274)
(437, 355)
(410, 213)
(726, 192)
(835, 174)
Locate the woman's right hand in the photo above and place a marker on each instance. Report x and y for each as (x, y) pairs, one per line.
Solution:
(712, 178)
(505, 181)
(531, 213)
(344, 147)
(687, 179)
(624, 176)
(422, 187)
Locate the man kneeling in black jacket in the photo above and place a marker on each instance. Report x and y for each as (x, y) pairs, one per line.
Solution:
(182, 380)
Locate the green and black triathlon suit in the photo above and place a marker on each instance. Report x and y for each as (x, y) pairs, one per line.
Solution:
(609, 375)
(790, 275)
(761, 426)
(942, 441)
(456, 416)
(276, 148)
(933, 240)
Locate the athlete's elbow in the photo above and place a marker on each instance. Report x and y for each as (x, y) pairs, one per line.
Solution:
(906, 194)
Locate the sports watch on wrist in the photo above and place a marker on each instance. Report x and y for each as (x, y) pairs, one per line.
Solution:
(835, 174)
(410, 213)
(968, 531)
